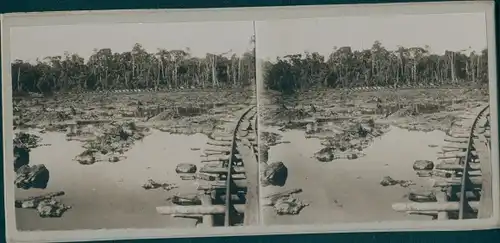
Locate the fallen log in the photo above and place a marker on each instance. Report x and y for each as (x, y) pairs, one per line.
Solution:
(36, 199)
(431, 206)
(270, 200)
(197, 210)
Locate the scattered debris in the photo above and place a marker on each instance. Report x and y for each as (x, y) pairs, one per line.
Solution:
(274, 174)
(112, 143)
(270, 200)
(46, 205)
(388, 181)
(423, 165)
(289, 205)
(151, 184)
(87, 157)
(270, 138)
(186, 168)
(36, 176)
(27, 139)
(51, 208)
(325, 154)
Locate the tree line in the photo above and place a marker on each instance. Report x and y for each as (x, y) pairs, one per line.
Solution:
(135, 69)
(377, 66)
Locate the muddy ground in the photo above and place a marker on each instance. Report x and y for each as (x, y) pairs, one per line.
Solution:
(340, 146)
(349, 120)
(102, 149)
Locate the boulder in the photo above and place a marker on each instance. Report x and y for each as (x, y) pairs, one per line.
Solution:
(36, 176)
(423, 165)
(325, 154)
(185, 168)
(274, 174)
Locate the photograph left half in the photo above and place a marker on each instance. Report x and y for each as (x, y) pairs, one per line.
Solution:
(133, 125)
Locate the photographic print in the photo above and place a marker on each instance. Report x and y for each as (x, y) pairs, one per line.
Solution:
(134, 125)
(374, 118)
(245, 121)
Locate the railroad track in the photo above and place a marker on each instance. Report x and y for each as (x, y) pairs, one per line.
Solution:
(230, 196)
(462, 180)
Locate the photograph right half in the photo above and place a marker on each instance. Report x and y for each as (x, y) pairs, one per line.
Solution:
(374, 118)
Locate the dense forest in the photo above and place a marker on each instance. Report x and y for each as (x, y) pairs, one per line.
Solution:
(345, 68)
(136, 69)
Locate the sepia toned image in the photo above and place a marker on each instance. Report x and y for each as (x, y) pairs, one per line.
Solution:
(374, 118)
(134, 125)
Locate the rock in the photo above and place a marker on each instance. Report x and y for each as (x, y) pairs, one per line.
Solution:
(325, 154)
(21, 156)
(423, 165)
(288, 205)
(352, 156)
(28, 177)
(274, 174)
(185, 168)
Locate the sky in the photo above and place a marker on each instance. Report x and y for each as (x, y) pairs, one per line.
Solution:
(439, 31)
(30, 43)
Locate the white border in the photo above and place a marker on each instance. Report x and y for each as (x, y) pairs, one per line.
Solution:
(237, 14)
